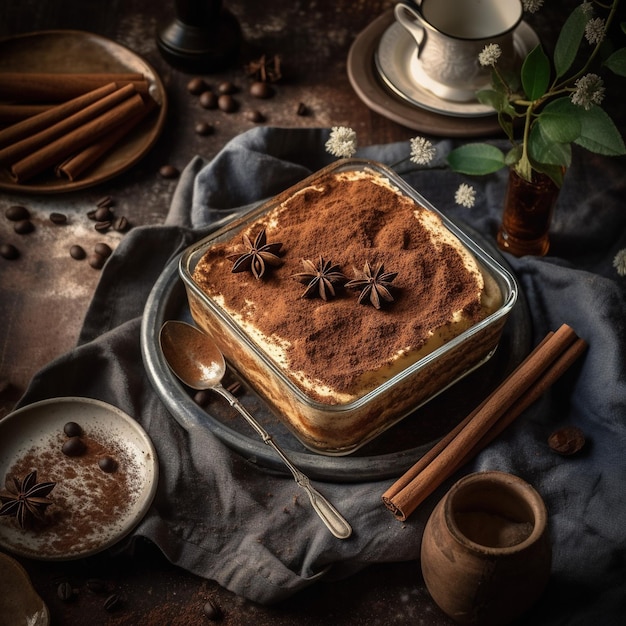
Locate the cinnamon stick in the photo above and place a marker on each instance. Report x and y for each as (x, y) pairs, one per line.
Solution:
(52, 116)
(20, 149)
(58, 150)
(523, 387)
(58, 87)
(76, 164)
(13, 113)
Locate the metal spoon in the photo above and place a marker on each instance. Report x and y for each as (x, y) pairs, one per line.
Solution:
(199, 363)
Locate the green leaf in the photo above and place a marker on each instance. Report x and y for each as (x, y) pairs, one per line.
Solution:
(598, 133)
(617, 62)
(536, 73)
(569, 41)
(555, 172)
(545, 151)
(559, 121)
(476, 159)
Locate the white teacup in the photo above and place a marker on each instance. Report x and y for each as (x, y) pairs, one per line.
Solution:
(450, 34)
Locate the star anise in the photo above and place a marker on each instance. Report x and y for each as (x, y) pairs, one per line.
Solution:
(257, 256)
(320, 277)
(26, 499)
(374, 284)
(265, 69)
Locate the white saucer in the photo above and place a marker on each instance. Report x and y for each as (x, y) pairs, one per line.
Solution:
(80, 522)
(398, 66)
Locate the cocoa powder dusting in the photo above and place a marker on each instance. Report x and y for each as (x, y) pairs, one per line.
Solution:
(88, 504)
(351, 222)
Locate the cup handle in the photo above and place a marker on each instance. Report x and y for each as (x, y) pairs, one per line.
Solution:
(412, 24)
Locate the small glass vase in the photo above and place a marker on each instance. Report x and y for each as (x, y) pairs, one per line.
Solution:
(528, 209)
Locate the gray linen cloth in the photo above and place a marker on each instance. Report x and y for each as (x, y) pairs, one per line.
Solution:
(252, 530)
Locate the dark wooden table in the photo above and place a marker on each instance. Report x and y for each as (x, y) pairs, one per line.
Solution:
(44, 294)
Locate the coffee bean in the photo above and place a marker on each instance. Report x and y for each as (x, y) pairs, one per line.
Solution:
(212, 611)
(567, 440)
(302, 109)
(16, 213)
(107, 201)
(107, 464)
(259, 89)
(226, 88)
(112, 602)
(204, 128)
(74, 446)
(96, 261)
(103, 214)
(65, 592)
(23, 227)
(58, 218)
(254, 116)
(208, 100)
(168, 171)
(9, 251)
(91, 214)
(227, 103)
(103, 249)
(77, 252)
(72, 429)
(103, 226)
(120, 224)
(196, 86)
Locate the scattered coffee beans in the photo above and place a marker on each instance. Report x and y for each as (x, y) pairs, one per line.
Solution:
(204, 128)
(196, 86)
(77, 252)
(103, 249)
(227, 103)
(96, 261)
(567, 440)
(208, 100)
(16, 213)
(112, 602)
(168, 171)
(212, 611)
(107, 201)
(58, 218)
(72, 429)
(254, 116)
(121, 224)
(260, 89)
(23, 227)
(9, 251)
(226, 88)
(74, 446)
(107, 464)
(103, 214)
(65, 592)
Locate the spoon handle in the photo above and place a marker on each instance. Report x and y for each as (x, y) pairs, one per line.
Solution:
(334, 521)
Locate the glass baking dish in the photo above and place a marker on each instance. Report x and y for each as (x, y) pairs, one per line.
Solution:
(343, 427)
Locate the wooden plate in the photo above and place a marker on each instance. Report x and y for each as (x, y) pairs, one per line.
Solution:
(69, 51)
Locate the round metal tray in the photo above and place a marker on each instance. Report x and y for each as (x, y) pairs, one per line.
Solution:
(389, 455)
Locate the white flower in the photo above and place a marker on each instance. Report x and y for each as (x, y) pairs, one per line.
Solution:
(595, 30)
(587, 9)
(532, 6)
(619, 262)
(465, 195)
(589, 91)
(422, 151)
(342, 142)
(490, 54)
